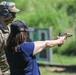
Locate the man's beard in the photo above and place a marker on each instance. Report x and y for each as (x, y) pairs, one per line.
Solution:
(9, 20)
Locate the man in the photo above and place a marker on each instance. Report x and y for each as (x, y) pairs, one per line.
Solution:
(7, 15)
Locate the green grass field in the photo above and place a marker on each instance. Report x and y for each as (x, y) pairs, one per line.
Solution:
(60, 60)
(47, 71)
(65, 60)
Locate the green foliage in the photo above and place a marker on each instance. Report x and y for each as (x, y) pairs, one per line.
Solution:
(70, 48)
(56, 14)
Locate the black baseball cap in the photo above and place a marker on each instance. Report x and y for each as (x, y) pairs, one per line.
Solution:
(20, 26)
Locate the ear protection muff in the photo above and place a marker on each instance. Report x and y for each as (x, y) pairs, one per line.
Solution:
(5, 11)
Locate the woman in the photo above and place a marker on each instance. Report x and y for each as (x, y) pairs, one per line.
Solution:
(21, 54)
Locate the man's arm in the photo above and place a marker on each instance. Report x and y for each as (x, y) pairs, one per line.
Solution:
(1, 39)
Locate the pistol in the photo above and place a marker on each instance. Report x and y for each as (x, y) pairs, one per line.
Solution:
(65, 34)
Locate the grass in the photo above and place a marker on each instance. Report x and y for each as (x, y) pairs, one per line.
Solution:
(47, 71)
(64, 60)
(61, 60)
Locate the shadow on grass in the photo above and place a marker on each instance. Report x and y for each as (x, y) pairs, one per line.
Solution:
(60, 68)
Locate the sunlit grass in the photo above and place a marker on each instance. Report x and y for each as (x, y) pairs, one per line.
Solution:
(47, 71)
(60, 60)
(64, 60)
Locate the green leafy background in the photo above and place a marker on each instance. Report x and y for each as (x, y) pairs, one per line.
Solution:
(59, 15)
